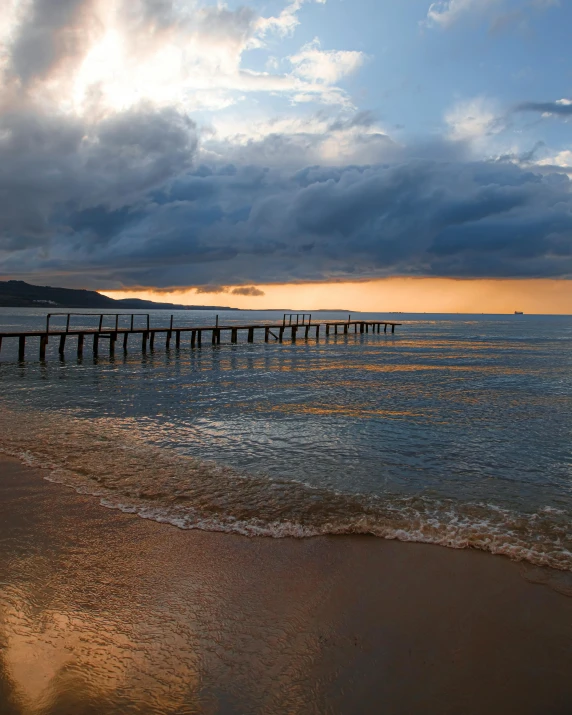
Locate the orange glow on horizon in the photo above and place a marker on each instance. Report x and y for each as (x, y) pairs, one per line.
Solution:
(407, 295)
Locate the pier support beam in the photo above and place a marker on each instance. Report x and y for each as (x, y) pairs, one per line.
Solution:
(266, 334)
(95, 344)
(80, 339)
(43, 343)
(346, 329)
(214, 336)
(393, 328)
(250, 335)
(361, 328)
(193, 338)
(294, 331)
(144, 337)
(234, 335)
(21, 347)
(317, 332)
(281, 334)
(385, 328)
(152, 340)
(62, 345)
(112, 339)
(199, 338)
(168, 340)
(177, 339)
(327, 329)
(125, 340)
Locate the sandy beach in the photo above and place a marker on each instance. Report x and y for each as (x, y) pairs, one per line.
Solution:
(105, 612)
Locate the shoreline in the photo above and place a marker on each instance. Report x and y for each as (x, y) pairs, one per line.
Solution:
(105, 610)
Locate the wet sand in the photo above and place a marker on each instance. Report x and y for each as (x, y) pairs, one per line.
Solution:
(103, 612)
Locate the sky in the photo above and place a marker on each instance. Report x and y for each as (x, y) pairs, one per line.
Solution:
(309, 154)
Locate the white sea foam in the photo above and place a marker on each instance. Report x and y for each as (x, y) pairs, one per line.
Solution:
(126, 473)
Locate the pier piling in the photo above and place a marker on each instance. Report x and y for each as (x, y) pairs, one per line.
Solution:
(293, 322)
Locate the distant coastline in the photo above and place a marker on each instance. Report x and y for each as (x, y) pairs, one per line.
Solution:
(19, 294)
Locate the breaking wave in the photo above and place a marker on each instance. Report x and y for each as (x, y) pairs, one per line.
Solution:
(116, 465)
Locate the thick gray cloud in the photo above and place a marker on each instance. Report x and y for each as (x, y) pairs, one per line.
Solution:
(51, 31)
(127, 203)
(248, 290)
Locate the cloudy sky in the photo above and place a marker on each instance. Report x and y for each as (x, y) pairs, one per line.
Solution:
(277, 149)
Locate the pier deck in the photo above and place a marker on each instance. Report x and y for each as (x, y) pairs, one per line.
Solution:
(303, 328)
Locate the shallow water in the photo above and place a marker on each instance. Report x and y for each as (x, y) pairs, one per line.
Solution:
(455, 430)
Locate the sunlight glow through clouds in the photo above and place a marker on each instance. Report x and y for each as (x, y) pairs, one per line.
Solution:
(194, 61)
(432, 295)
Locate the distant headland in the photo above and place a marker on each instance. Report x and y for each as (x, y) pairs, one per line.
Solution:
(18, 294)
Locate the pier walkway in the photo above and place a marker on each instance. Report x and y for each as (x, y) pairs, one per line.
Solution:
(292, 326)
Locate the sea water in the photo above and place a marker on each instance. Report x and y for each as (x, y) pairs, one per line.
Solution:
(455, 430)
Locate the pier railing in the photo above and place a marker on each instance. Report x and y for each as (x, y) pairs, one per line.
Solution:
(302, 321)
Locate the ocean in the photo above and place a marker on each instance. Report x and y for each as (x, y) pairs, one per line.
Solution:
(456, 430)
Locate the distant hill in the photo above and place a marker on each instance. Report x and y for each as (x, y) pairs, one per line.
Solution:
(18, 294)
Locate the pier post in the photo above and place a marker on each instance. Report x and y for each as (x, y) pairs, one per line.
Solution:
(144, 336)
(152, 340)
(345, 328)
(125, 339)
(307, 331)
(361, 327)
(214, 337)
(62, 345)
(43, 343)
(385, 328)
(317, 332)
(168, 339)
(218, 336)
(112, 339)
(281, 334)
(250, 335)
(177, 339)
(234, 335)
(21, 347)
(393, 328)
(199, 338)
(327, 328)
(80, 338)
(355, 327)
(95, 344)
(294, 331)
(266, 334)
(193, 338)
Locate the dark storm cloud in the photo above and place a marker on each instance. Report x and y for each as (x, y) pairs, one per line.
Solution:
(59, 176)
(215, 226)
(564, 110)
(124, 202)
(248, 290)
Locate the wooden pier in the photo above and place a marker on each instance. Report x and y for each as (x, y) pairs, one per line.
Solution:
(293, 326)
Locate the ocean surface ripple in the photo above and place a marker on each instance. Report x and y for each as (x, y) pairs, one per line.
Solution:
(453, 431)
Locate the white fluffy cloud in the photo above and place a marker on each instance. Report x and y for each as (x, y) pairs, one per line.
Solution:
(326, 66)
(95, 57)
(473, 119)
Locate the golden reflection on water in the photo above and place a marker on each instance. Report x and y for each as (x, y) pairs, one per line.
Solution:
(114, 614)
